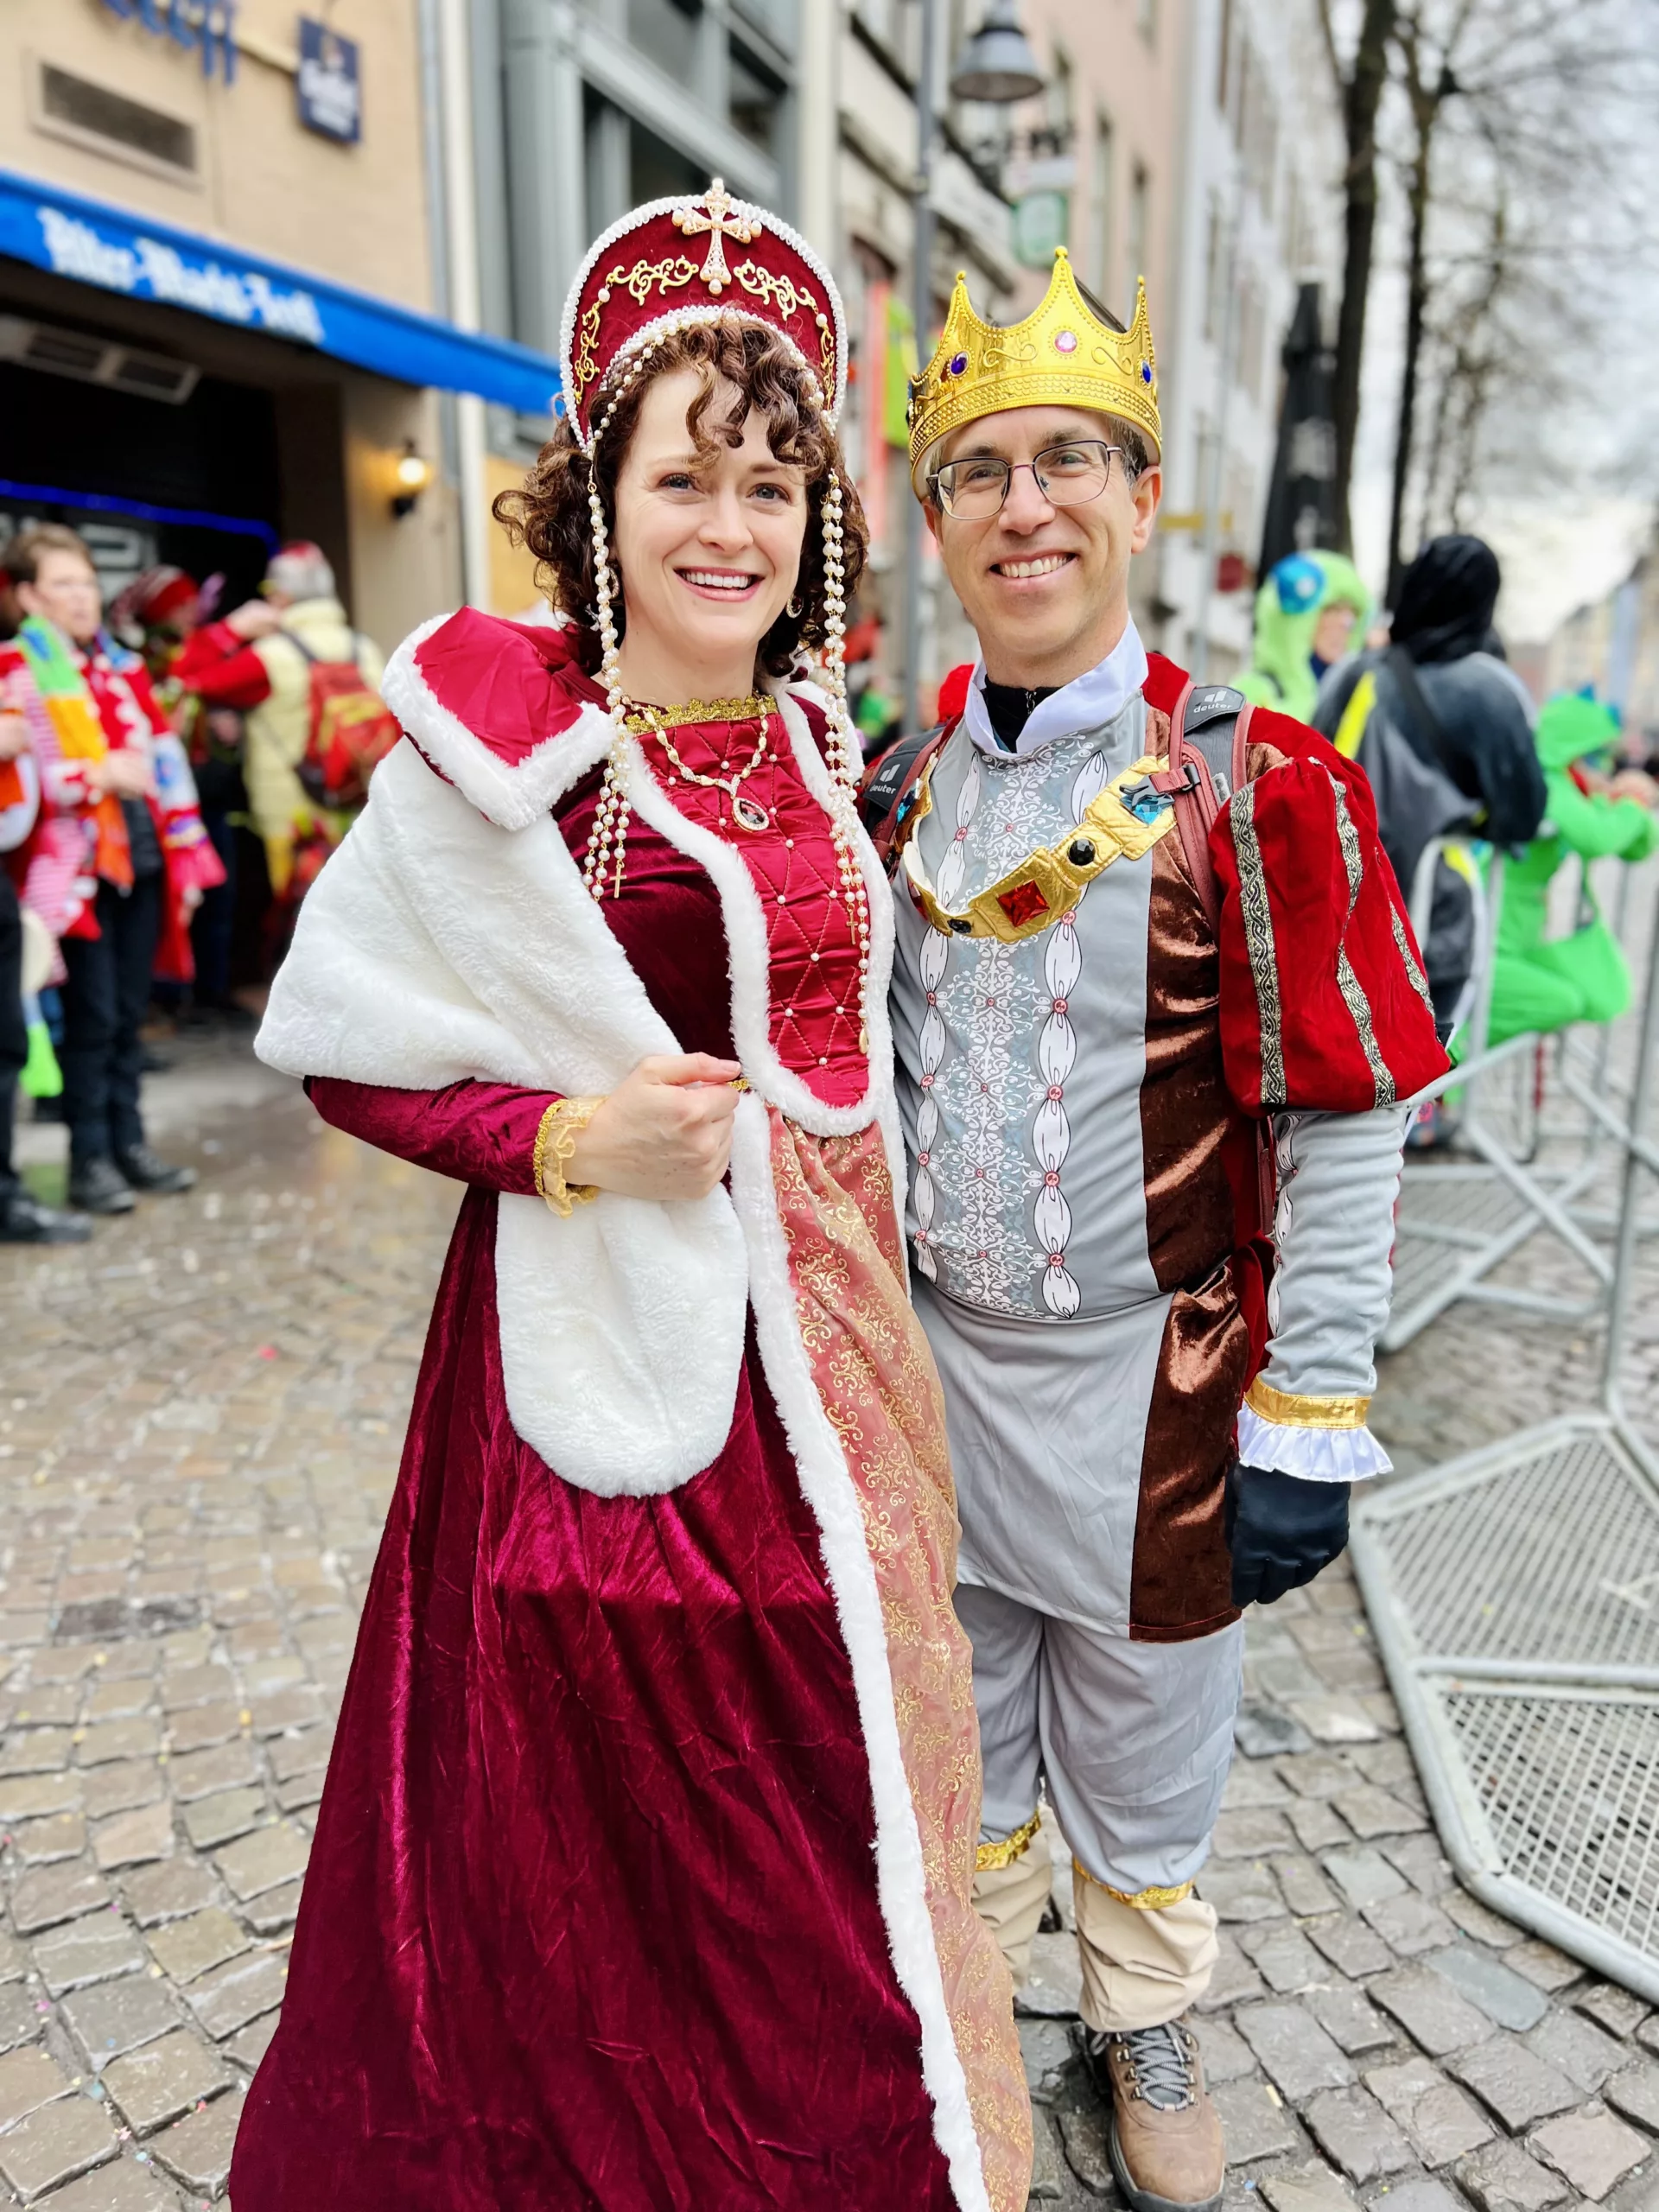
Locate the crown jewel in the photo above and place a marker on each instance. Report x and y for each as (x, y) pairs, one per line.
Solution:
(1061, 355)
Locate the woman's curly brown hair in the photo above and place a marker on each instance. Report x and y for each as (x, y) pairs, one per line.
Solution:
(550, 513)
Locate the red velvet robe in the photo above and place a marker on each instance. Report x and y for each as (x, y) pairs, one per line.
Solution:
(591, 1923)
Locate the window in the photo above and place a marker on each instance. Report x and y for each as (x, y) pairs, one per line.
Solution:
(755, 98)
(1225, 57)
(1294, 224)
(1101, 209)
(657, 171)
(91, 115)
(1214, 293)
(1247, 374)
(1139, 234)
(1059, 98)
(667, 31)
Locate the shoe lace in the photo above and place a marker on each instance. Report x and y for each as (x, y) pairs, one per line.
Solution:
(1161, 2066)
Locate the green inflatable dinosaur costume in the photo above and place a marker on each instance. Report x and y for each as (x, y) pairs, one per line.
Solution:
(1542, 983)
(1294, 596)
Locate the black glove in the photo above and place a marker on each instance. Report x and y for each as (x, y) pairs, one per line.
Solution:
(1282, 1530)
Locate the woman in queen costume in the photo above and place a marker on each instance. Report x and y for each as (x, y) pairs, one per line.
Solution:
(643, 1877)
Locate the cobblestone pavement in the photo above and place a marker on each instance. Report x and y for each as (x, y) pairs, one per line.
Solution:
(199, 1420)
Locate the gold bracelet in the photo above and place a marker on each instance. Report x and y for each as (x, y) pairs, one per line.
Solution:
(556, 1140)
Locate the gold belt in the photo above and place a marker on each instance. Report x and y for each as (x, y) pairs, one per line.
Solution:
(1125, 823)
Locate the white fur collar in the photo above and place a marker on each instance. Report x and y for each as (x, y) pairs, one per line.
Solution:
(511, 795)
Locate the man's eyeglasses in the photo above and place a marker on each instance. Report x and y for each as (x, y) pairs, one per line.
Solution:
(1067, 476)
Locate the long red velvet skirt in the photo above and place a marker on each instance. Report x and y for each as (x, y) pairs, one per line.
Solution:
(591, 1923)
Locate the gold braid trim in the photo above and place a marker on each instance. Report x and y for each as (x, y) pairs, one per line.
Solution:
(992, 1858)
(556, 1140)
(1142, 1900)
(1289, 1411)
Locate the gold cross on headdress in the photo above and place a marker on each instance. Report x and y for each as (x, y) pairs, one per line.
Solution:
(719, 224)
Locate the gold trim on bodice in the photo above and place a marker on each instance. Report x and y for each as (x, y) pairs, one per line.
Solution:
(1123, 823)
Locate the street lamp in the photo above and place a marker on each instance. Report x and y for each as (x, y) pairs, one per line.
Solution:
(996, 66)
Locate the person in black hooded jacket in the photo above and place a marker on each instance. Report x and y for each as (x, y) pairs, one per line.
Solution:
(1443, 727)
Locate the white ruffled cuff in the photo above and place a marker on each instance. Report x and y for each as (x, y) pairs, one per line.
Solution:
(1318, 1455)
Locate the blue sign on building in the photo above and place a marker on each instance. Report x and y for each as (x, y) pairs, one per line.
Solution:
(204, 26)
(330, 87)
(92, 243)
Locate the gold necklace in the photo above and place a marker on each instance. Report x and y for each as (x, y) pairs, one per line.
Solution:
(696, 710)
(747, 812)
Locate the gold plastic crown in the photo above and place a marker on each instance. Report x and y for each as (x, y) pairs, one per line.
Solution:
(1062, 355)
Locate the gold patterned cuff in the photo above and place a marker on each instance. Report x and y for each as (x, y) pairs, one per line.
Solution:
(1289, 1411)
(556, 1140)
(1152, 1900)
(992, 1858)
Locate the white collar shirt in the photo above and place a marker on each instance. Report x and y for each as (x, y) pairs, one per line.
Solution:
(1089, 701)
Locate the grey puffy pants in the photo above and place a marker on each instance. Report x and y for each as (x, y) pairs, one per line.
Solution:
(1132, 1743)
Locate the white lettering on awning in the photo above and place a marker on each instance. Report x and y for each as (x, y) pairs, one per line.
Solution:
(161, 271)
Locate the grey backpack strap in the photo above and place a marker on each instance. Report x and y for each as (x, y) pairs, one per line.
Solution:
(1207, 738)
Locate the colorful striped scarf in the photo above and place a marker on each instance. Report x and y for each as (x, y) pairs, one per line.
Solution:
(76, 735)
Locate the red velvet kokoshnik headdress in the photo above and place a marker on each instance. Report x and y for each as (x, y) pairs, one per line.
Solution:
(670, 265)
(667, 265)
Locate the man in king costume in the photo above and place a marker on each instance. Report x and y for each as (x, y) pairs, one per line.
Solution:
(1140, 979)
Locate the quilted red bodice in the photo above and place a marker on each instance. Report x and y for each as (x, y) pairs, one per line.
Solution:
(816, 1015)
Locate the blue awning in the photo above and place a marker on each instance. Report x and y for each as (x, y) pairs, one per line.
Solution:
(96, 244)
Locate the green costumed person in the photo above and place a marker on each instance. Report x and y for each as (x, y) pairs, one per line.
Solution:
(1541, 982)
(1310, 613)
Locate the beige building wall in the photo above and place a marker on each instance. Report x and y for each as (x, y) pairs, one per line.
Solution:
(355, 213)
(1115, 71)
(262, 184)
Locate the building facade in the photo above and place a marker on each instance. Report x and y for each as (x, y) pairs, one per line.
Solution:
(217, 292)
(1258, 214)
(583, 108)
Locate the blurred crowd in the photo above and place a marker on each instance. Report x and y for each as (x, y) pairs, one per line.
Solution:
(172, 780)
(170, 784)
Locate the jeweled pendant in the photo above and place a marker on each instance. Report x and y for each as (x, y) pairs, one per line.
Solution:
(748, 813)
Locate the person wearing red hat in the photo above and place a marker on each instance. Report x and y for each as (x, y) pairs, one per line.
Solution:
(642, 1876)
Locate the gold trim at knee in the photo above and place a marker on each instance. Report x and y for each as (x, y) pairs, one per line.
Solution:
(992, 1858)
(1152, 1900)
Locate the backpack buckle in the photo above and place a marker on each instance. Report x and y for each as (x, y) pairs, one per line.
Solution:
(1147, 796)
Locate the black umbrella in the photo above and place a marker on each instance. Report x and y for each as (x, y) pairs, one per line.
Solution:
(1301, 500)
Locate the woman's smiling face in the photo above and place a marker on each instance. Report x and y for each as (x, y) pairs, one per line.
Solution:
(707, 543)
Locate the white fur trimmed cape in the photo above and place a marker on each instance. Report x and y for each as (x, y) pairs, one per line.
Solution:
(450, 937)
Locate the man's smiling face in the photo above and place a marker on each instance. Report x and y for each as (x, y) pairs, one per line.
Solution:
(1046, 587)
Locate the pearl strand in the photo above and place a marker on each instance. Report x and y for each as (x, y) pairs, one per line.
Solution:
(607, 841)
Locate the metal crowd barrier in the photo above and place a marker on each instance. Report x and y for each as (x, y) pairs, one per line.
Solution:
(1461, 1218)
(1513, 1593)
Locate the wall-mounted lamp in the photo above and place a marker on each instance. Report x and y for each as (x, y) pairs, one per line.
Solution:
(413, 474)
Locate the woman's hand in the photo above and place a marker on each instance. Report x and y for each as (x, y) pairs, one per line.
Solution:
(665, 1132)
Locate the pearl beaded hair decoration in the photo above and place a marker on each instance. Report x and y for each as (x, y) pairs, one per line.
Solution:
(797, 314)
